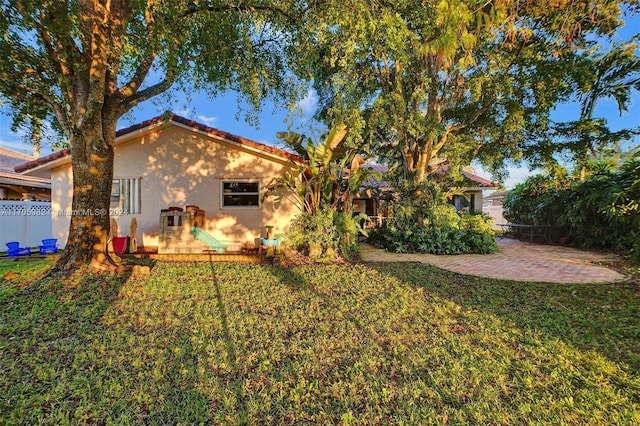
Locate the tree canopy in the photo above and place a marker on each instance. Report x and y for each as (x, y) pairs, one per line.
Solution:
(600, 73)
(417, 82)
(431, 81)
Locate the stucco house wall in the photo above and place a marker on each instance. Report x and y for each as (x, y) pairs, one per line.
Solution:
(177, 165)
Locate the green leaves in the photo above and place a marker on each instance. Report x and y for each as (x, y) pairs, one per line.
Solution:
(426, 81)
(325, 233)
(72, 60)
(331, 172)
(601, 211)
(598, 74)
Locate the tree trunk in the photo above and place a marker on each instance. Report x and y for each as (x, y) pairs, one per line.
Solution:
(92, 162)
(424, 157)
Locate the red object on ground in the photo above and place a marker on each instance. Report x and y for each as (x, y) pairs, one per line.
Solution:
(120, 244)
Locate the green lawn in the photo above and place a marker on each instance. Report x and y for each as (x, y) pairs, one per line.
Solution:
(325, 344)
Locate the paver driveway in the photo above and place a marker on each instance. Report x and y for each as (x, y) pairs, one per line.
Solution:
(517, 261)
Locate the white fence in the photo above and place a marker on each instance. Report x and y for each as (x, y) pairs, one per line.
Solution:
(28, 222)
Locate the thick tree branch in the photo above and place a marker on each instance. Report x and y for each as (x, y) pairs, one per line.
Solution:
(149, 92)
(28, 95)
(130, 88)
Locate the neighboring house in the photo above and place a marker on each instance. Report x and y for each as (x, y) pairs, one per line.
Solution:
(472, 200)
(14, 186)
(25, 209)
(368, 201)
(495, 199)
(170, 161)
(473, 188)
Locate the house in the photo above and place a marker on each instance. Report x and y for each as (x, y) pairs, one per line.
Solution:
(168, 167)
(473, 187)
(15, 186)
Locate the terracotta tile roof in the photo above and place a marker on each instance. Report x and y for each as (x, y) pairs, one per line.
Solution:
(473, 179)
(176, 119)
(10, 159)
(43, 160)
(482, 182)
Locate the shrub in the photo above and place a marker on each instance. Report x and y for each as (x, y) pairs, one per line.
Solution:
(458, 234)
(602, 211)
(424, 222)
(533, 201)
(332, 231)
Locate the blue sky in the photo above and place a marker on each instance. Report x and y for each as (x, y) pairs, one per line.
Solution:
(222, 112)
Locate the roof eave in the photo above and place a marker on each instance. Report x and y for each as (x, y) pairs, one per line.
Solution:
(62, 157)
(22, 182)
(478, 188)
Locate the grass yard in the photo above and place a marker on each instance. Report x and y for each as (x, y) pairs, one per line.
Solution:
(324, 344)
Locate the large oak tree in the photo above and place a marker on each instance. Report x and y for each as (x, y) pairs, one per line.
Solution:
(85, 63)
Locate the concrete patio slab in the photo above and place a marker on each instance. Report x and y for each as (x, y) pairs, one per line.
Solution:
(517, 261)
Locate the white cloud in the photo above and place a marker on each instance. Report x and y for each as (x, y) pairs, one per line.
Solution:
(309, 103)
(206, 120)
(184, 112)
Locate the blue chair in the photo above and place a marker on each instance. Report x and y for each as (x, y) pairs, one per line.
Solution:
(15, 250)
(49, 246)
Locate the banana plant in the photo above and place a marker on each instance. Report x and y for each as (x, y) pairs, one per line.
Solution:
(329, 178)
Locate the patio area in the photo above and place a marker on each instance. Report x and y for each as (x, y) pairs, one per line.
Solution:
(517, 261)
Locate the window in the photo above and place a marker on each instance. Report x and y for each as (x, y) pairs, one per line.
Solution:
(115, 191)
(125, 195)
(466, 203)
(240, 194)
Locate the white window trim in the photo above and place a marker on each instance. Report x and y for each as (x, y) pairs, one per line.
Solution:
(222, 194)
(115, 184)
(129, 195)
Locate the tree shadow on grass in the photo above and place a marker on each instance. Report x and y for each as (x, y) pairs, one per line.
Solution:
(331, 343)
(232, 354)
(43, 325)
(298, 282)
(599, 317)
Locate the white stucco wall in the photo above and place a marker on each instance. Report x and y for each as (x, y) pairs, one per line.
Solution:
(61, 197)
(180, 167)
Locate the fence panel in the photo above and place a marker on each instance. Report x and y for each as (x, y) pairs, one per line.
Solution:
(28, 222)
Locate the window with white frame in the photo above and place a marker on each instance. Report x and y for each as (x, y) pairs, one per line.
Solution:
(115, 192)
(126, 195)
(240, 193)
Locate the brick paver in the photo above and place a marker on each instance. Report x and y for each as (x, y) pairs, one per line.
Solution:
(516, 261)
